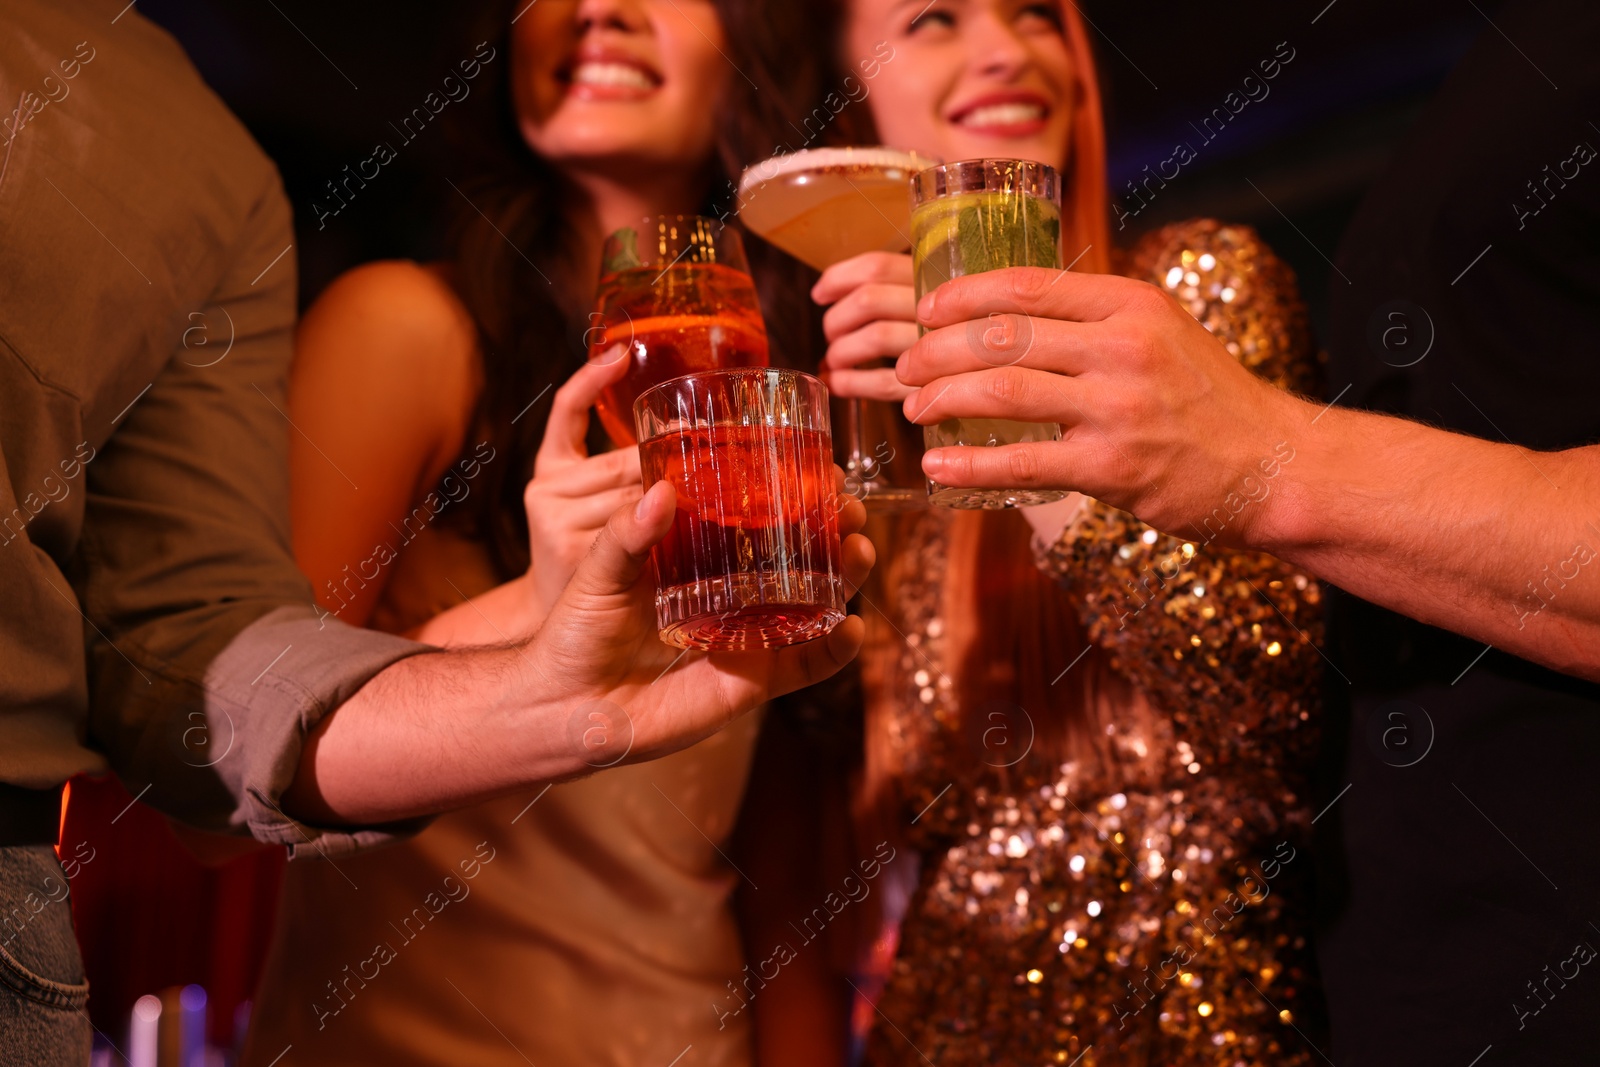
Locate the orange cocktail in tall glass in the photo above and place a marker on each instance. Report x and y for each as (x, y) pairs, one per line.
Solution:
(676, 294)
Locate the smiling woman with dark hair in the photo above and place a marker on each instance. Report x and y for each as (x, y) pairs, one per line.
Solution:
(588, 923)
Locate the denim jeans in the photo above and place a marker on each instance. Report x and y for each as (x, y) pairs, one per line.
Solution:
(42, 986)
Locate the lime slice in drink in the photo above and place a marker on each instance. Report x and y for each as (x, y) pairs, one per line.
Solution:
(934, 224)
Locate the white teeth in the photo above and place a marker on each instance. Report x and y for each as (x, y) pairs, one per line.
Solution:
(1003, 115)
(611, 74)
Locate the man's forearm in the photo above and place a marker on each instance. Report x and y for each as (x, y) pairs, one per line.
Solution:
(1488, 540)
(431, 733)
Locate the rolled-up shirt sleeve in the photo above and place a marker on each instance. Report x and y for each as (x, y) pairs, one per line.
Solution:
(209, 660)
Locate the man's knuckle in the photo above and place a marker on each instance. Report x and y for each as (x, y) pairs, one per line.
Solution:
(1006, 387)
(1149, 299)
(1027, 284)
(1135, 349)
(1127, 407)
(1024, 466)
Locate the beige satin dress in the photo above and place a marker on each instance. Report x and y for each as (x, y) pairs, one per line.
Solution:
(587, 923)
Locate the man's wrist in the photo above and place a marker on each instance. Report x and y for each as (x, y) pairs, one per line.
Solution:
(565, 731)
(441, 730)
(1291, 513)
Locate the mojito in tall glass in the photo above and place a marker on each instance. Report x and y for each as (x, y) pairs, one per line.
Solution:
(970, 217)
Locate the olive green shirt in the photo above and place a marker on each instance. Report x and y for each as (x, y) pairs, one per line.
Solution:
(153, 617)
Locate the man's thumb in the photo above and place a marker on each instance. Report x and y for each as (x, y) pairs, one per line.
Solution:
(618, 555)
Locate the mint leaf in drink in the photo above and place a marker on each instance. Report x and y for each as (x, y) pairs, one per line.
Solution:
(1037, 235)
(973, 239)
(1019, 235)
(1007, 229)
(621, 251)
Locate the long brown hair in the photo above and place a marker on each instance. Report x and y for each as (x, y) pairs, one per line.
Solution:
(513, 244)
(1010, 631)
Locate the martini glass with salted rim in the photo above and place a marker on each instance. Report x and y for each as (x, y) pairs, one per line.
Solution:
(822, 206)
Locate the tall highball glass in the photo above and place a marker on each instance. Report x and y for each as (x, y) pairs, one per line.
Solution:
(973, 216)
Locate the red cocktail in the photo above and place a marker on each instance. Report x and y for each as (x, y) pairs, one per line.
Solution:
(752, 559)
(678, 297)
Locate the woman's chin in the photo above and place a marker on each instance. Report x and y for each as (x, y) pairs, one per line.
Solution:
(608, 147)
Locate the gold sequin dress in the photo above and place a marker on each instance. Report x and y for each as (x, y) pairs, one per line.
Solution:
(1153, 911)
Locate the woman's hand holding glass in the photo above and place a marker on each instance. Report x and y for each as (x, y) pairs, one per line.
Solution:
(573, 494)
(873, 319)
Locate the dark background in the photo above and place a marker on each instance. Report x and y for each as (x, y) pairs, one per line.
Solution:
(319, 84)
